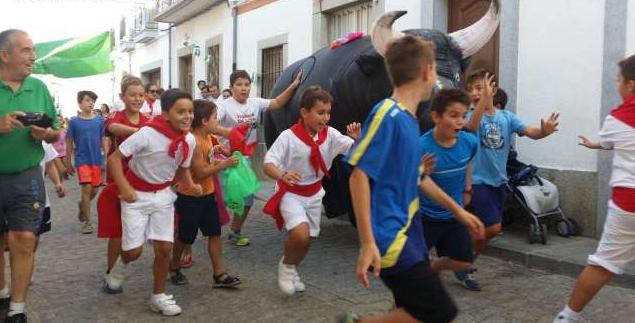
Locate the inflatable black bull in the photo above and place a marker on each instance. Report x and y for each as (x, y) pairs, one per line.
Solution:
(356, 76)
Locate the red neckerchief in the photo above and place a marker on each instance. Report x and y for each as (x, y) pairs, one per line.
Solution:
(238, 140)
(273, 204)
(161, 125)
(151, 104)
(316, 157)
(625, 112)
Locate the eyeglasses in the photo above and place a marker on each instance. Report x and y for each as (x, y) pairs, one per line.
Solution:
(153, 91)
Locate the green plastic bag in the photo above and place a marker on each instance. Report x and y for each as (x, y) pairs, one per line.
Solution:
(239, 182)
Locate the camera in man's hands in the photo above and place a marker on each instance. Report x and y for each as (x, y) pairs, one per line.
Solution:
(36, 119)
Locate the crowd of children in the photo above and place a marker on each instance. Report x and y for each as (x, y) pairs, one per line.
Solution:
(164, 157)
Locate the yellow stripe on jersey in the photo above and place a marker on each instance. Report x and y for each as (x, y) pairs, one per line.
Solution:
(395, 248)
(374, 125)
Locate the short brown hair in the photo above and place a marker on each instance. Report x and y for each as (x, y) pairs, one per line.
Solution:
(129, 81)
(627, 68)
(203, 109)
(313, 94)
(445, 97)
(82, 94)
(477, 75)
(406, 56)
(238, 74)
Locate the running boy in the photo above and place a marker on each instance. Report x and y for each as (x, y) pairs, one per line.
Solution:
(119, 127)
(200, 211)
(159, 151)
(85, 137)
(617, 246)
(494, 129)
(453, 150)
(383, 188)
(298, 160)
(239, 109)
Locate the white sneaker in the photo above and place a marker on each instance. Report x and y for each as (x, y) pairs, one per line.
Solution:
(164, 304)
(286, 277)
(116, 277)
(298, 285)
(562, 318)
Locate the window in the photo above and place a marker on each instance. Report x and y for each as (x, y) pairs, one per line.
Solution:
(213, 64)
(153, 77)
(351, 19)
(272, 61)
(185, 73)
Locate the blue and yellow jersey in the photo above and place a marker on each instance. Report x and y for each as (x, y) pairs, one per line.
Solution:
(389, 153)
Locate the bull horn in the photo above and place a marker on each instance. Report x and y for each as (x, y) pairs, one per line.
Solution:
(382, 30)
(472, 38)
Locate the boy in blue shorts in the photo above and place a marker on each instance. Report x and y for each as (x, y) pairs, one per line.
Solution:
(383, 188)
(494, 129)
(453, 150)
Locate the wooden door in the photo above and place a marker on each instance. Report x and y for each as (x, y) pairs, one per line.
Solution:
(185, 74)
(463, 13)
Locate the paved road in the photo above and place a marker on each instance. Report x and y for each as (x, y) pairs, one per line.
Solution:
(70, 266)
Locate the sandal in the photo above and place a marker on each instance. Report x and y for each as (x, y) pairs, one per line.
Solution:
(225, 280)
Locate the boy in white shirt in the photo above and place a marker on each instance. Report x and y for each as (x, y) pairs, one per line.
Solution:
(241, 109)
(160, 150)
(299, 159)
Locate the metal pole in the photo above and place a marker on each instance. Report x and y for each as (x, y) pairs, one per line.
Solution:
(235, 38)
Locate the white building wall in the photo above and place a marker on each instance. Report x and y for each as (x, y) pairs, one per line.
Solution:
(630, 29)
(213, 23)
(156, 51)
(413, 18)
(290, 17)
(560, 69)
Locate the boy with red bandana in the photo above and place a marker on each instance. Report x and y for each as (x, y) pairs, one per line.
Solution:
(299, 159)
(159, 151)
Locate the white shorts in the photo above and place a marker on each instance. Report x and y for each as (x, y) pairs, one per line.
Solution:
(151, 217)
(617, 246)
(297, 209)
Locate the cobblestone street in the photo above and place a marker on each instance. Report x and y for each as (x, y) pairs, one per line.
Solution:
(70, 265)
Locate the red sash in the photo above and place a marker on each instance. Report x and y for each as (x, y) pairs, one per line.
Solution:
(624, 197)
(317, 162)
(238, 140)
(273, 205)
(625, 112)
(161, 125)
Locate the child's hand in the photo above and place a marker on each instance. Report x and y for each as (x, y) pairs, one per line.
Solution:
(298, 79)
(128, 194)
(229, 162)
(353, 130)
(60, 190)
(291, 178)
(586, 142)
(69, 170)
(369, 256)
(197, 189)
(489, 86)
(473, 223)
(550, 125)
(428, 162)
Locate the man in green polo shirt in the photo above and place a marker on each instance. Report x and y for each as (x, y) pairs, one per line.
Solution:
(22, 190)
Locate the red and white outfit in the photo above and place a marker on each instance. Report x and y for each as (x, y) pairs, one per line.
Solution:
(155, 158)
(617, 246)
(231, 113)
(151, 107)
(302, 203)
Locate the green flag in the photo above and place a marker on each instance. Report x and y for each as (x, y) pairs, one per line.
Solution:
(78, 57)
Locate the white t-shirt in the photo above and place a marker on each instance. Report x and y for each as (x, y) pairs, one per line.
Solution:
(289, 153)
(231, 113)
(620, 137)
(156, 108)
(49, 154)
(150, 160)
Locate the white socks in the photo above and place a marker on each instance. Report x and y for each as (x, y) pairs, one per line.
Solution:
(15, 308)
(567, 315)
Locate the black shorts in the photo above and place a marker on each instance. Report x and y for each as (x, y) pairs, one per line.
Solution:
(22, 200)
(420, 292)
(197, 212)
(449, 237)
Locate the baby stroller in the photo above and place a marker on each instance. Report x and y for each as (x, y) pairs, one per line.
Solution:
(538, 196)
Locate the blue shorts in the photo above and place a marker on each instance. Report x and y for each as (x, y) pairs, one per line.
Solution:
(449, 237)
(487, 203)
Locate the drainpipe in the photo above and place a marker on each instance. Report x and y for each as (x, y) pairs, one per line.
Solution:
(170, 55)
(235, 37)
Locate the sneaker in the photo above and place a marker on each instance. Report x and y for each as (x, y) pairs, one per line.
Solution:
(16, 318)
(286, 276)
(467, 279)
(348, 318)
(113, 281)
(164, 304)
(298, 284)
(178, 278)
(564, 317)
(226, 280)
(186, 261)
(87, 228)
(238, 239)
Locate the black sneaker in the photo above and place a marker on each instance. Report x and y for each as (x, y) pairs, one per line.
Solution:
(16, 318)
(4, 303)
(178, 278)
(225, 280)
